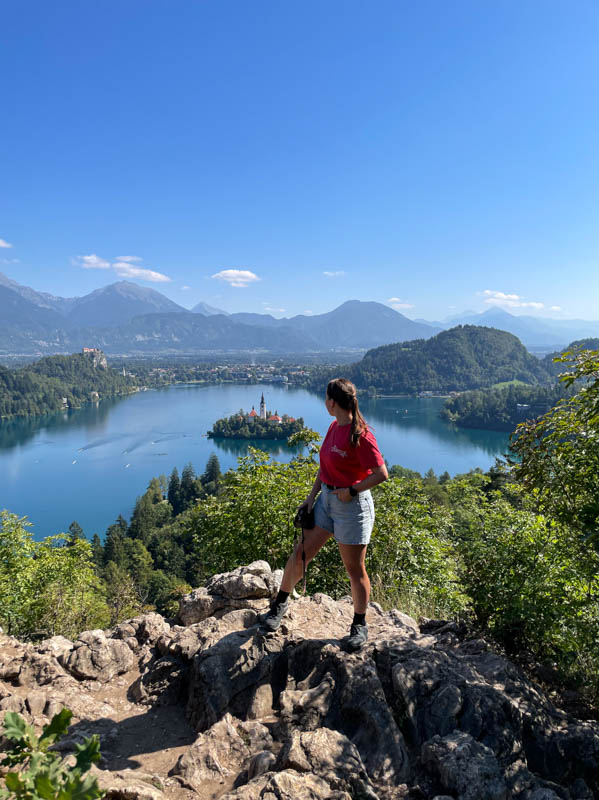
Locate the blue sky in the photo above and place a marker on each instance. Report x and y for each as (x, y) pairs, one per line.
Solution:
(416, 154)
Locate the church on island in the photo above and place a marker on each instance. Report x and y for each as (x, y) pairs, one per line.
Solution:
(266, 415)
(254, 425)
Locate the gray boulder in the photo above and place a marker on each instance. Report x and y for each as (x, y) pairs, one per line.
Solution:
(245, 587)
(96, 656)
(464, 767)
(224, 750)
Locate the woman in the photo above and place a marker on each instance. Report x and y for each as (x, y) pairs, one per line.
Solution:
(350, 465)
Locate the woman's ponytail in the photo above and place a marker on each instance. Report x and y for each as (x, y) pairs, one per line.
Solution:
(344, 393)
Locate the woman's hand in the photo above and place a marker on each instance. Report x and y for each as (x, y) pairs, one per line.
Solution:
(343, 495)
(308, 504)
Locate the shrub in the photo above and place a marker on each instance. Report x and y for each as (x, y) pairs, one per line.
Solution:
(41, 774)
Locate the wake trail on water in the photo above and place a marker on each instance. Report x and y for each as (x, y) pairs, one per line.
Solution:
(169, 437)
(137, 443)
(100, 442)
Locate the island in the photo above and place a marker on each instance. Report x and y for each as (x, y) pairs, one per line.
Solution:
(256, 425)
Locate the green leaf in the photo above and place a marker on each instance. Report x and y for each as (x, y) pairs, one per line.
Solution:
(88, 753)
(77, 789)
(15, 727)
(44, 787)
(57, 727)
(14, 782)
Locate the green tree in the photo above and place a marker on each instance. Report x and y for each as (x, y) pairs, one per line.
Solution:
(114, 542)
(121, 594)
(559, 452)
(75, 532)
(16, 570)
(46, 587)
(97, 551)
(151, 511)
(252, 517)
(411, 559)
(189, 487)
(140, 566)
(174, 492)
(212, 472)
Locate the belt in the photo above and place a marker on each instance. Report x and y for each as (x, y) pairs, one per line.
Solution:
(331, 487)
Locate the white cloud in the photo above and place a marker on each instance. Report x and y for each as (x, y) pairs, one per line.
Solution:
(129, 259)
(272, 310)
(493, 298)
(125, 270)
(185, 288)
(555, 308)
(338, 274)
(240, 278)
(92, 262)
(4, 243)
(9, 261)
(308, 312)
(397, 303)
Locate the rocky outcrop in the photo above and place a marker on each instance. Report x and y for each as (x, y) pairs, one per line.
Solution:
(210, 707)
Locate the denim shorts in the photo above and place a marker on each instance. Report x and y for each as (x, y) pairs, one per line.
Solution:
(350, 523)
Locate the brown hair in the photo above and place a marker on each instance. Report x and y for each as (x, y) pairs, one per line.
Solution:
(344, 393)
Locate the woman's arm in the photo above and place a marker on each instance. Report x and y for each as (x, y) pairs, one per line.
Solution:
(310, 500)
(378, 475)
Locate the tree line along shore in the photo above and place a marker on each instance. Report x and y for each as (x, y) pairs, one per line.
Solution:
(488, 377)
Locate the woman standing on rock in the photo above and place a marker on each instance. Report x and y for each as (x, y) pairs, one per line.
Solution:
(350, 465)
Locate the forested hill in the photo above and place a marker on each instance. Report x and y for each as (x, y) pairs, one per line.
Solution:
(465, 357)
(554, 368)
(41, 388)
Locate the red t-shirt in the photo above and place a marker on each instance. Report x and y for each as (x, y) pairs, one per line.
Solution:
(343, 465)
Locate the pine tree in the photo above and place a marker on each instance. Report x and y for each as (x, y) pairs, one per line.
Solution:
(114, 544)
(150, 512)
(189, 487)
(212, 472)
(97, 551)
(75, 532)
(174, 492)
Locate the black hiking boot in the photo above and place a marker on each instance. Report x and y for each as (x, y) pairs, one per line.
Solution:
(358, 635)
(272, 620)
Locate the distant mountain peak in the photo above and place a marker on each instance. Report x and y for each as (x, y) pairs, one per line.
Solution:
(207, 310)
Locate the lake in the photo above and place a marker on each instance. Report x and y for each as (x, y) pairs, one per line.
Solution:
(90, 464)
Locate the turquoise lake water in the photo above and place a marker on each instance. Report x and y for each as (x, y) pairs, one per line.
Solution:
(89, 465)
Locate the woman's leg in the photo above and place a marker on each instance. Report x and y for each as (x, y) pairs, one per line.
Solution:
(354, 558)
(313, 541)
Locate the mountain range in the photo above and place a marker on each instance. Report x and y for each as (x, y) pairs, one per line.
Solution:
(125, 318)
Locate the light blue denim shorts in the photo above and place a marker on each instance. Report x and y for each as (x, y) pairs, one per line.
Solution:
(350, 523)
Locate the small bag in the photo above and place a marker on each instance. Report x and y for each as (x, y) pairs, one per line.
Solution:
(304, 519)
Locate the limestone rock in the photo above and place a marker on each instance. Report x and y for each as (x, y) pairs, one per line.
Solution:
(260, 763)
(287, 785)
(332, 757)
(245, 587)
(129, 785)
(465, 767)
(162, 683)
(223, 750)
(421, 712)
(98, 657)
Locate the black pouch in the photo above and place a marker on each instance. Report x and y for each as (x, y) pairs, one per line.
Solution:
(304, 519)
